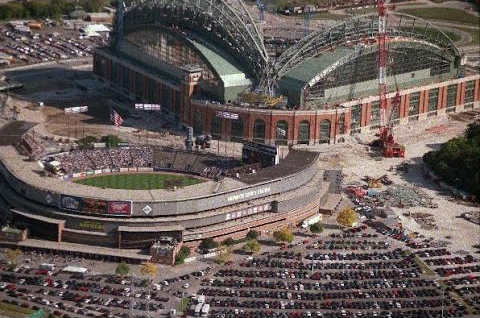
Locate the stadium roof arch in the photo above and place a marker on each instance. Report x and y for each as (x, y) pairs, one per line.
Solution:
(363, 31)
(226, 23)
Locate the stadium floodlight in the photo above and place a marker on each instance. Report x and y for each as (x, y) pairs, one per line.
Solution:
(152, 107)
(74, 110)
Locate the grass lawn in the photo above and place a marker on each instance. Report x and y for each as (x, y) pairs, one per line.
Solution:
(183, 305)
(10, 310)
(475, 33)
(139, 181)
(433, 33)
(446, 14)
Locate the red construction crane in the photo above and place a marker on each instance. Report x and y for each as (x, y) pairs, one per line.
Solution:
(390, 147)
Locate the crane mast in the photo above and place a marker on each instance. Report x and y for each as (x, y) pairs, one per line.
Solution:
(382, 60)
(390, 147)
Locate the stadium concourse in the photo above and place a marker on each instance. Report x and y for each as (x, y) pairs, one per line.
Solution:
(233, 199)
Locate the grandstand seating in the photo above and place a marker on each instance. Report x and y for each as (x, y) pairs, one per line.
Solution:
(206, 165)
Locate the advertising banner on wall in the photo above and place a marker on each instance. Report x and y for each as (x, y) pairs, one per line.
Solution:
(95, 206)
(70, 203)
(120, 208)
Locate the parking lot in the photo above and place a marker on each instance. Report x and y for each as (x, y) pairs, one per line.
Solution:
(353, 274)
(50, 43)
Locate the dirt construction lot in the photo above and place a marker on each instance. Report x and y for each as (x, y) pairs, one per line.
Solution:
(358, 160)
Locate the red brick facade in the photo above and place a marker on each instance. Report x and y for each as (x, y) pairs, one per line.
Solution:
(186, 108)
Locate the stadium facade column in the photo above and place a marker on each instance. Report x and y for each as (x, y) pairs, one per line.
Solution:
(476, 94)
(461, 93)
(191, 78)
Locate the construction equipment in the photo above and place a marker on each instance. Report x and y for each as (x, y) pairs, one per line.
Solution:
(377, 182)
(203, 141)
(387, 140)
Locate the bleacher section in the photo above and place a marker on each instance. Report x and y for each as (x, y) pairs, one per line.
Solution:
(206, 165)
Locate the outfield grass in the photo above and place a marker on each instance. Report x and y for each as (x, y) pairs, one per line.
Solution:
(446, 14)
(139, 181)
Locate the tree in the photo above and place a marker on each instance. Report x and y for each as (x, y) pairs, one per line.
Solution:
(122, 269)
(283, 235)
(149, 269)
(13, 255)
(111, 141)
(224, 254)
(316, 228)
(208, 244)
(252, 235)
(87, 142)
(458, 160)
(347, 217)
(252, 246)
(182, 254)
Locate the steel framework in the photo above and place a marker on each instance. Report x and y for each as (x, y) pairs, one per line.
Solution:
(364, 30)
(226, 22)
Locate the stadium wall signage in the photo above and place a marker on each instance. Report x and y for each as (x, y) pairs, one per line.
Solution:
(91, 225)
(95, 206)
(248, 194)
(249, 211)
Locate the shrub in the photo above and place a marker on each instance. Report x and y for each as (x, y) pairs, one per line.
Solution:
(316, 228)
(252, 235)
(208, 244)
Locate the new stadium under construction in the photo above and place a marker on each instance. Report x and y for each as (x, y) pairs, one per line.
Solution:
(208, 66)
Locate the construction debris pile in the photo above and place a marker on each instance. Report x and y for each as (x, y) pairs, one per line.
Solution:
(403, 196)
(425, 220)
(473, 217)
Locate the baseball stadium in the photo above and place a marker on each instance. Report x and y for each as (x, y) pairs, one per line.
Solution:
(207, 64)
(210, 69)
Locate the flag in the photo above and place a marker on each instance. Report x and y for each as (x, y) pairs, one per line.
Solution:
(115, 118)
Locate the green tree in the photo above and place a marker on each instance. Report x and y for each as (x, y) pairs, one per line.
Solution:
(347, 217)
(316, 228)
(111, 141)
(283, 235)
(87, 142)
(458, 160)
(252, 234)
(122, 269)
(182, 254)
(208, 244)
(252, 246)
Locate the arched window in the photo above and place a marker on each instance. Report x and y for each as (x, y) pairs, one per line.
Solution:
(259, 131)
(304, 132)
(281, 132)
(324, 131)
(198, 122)
(216, 129)
(341, 124)
(237, 130)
